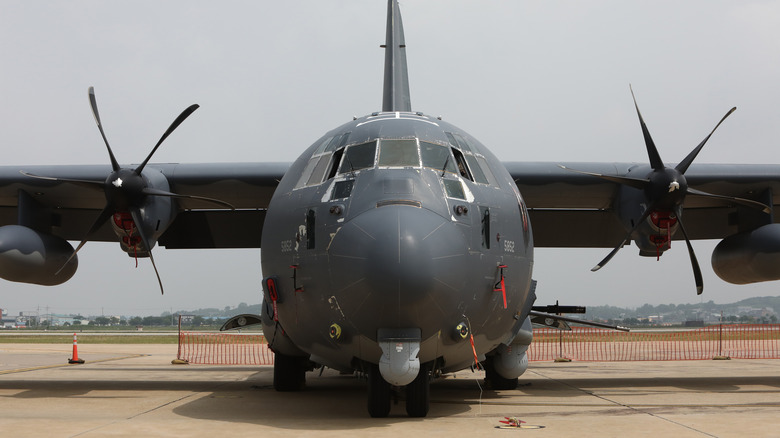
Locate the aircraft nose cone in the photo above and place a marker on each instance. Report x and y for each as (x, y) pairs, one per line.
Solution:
(399, 254)
(399, 257)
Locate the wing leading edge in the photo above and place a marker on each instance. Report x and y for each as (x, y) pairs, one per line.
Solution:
(66, 209)
(570, 209)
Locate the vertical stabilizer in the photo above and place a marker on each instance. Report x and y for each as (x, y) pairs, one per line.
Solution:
(396, 88)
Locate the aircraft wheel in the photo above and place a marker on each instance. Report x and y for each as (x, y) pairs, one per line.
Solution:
(289, 372)
(418, 393)
(493, 380)
(378, 393)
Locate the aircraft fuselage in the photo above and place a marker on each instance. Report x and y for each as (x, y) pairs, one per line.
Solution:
(395, 223)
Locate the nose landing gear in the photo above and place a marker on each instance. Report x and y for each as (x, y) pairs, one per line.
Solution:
(417, 393)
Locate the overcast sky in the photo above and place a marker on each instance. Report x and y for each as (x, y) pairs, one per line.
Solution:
(533, 80)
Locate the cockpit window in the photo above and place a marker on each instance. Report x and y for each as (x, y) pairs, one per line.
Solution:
(458, 141)
(488, 173)
(437, 157)
(319, 170)
(323, 144)
(454, 188)
(359, 156)
(472, 165)
(398, 153)
(461, 157)
(337, 142)
(463, 168)
(302, 181)
(342, 189)
(476, 171)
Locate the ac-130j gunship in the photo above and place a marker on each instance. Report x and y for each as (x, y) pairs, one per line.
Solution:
(397, 245)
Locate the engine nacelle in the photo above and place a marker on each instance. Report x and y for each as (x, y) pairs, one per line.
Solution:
(749, 257)
(28, 256)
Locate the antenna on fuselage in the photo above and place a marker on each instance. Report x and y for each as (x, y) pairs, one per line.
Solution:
(396, 88)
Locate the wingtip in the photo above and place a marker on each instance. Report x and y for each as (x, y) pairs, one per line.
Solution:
(595, 268)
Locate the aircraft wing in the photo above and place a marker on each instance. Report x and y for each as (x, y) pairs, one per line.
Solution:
(572, 209)
(567, 209)
(73, 207)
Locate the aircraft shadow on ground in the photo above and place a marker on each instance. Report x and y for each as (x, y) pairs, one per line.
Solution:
(330, 399)
(325, 403)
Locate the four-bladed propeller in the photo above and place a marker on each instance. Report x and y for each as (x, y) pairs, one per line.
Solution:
(665, 189)
(126, 190)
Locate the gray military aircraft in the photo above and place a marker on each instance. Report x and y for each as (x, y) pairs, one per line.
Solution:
(396, 245)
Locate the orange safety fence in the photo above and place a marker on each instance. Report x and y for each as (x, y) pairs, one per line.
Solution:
(742, 341)
(224, 349)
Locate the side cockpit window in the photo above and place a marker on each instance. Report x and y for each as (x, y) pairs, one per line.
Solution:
(319, 170)
(472, 165)
(321, 160)
(437, 157)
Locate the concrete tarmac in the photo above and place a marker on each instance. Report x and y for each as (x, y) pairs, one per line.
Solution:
(134, 390)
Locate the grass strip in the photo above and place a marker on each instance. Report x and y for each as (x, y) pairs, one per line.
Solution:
(91, 339)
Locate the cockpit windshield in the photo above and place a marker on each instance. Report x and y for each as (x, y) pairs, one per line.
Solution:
(398, 153)
(359, 156)
(333, 156)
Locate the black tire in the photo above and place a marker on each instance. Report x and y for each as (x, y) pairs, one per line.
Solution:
(378, 393)
(289, 372)
(493, 380)
(418, 393)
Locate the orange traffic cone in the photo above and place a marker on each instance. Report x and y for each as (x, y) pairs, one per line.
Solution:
(75, 358)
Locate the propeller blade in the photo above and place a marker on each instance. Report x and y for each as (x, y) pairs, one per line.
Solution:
(107, 212)
(183, 116)
(158, 192)
(606, 260)
(742, 201)
(81, 182)
(685, 163)
(636, 183)
(93, 104)
(694, 263)
(652, 151)
(138, 219)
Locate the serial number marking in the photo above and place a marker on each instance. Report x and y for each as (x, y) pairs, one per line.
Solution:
(509, 245)
(287, 245)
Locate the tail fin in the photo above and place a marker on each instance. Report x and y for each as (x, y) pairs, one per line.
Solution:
(396, 87)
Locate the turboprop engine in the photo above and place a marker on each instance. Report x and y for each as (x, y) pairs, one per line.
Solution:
(29, 256)
(138, 202)
(749, 257)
